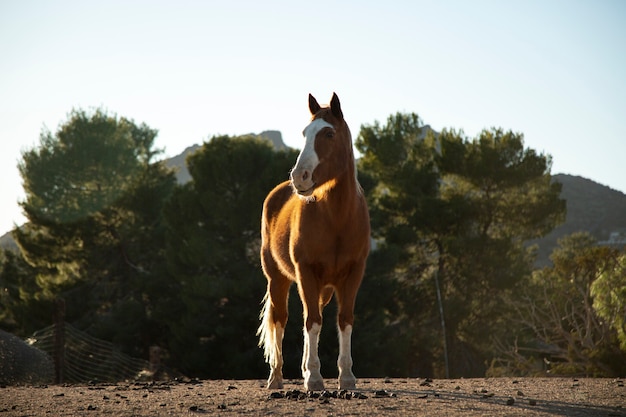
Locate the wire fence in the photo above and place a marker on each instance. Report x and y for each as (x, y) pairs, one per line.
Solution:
(84, 358)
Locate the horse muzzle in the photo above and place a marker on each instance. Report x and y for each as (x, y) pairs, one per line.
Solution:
(302, 181)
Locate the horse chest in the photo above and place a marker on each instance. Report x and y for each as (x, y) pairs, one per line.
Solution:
(330, 235)
(328, 253)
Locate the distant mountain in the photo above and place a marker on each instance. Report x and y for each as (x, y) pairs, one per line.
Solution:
(591, 207)
(179, 164)
(273, 136)
(7, 242)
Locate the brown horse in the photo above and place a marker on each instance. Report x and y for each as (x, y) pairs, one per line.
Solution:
(315, 232)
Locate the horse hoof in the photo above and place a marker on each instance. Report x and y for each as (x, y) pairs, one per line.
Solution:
(314, 385)
(275, 384)
(347, 384)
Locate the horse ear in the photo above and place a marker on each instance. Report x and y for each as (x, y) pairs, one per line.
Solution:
(314, 107)
(335, 107)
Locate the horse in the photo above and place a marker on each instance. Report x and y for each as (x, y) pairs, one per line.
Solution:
(315, 232)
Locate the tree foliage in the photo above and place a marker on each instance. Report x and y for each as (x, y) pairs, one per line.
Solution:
(21, 311)
(609, 297)
(95, 235)
(458, 210)
(567, 314)
(142, 261)
(213, 254)
(84, 167)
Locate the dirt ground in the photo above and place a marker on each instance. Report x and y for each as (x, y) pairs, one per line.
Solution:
(376, 397)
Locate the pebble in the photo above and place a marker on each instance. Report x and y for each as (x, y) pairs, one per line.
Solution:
(383, 394)
(195, 408)
(426, 383)
(325, 396)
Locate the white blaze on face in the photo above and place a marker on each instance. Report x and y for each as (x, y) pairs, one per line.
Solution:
(302, 173)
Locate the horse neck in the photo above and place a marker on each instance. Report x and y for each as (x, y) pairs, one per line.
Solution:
(342, 197)
(348, 178)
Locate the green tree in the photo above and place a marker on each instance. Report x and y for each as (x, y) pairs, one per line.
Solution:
(399, 175)
(85, 167)
(557, 312)
(213, 253)
(505, 196)
(457, 212)
(609, 298)
(21, 312)
(95, 235)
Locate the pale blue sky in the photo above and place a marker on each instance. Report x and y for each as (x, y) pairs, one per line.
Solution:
(552, 70)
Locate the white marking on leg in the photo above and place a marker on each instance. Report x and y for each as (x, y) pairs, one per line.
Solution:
(278, 354)
(275, 380)
(305, 352)
(347, 379)
(271, 339)
(310, 361)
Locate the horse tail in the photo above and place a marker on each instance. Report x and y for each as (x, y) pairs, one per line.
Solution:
(267, 331)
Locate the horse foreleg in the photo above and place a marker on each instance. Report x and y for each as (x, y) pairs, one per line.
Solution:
(347, 380)
(346, 297)
(311, 365)
(309, 294)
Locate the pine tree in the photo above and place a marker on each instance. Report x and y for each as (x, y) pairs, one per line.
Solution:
(95, 235)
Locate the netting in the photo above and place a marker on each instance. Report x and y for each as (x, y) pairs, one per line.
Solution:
(87, 358)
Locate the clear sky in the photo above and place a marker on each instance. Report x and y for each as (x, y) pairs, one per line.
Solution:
(552, 70)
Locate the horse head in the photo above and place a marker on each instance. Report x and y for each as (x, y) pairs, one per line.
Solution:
(327, 152)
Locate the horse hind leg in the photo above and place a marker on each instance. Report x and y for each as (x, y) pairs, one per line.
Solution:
(272, 329)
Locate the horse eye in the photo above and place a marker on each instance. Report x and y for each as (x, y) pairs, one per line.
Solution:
(330, 134)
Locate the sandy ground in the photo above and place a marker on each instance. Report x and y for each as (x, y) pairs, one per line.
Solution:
(376, 397)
